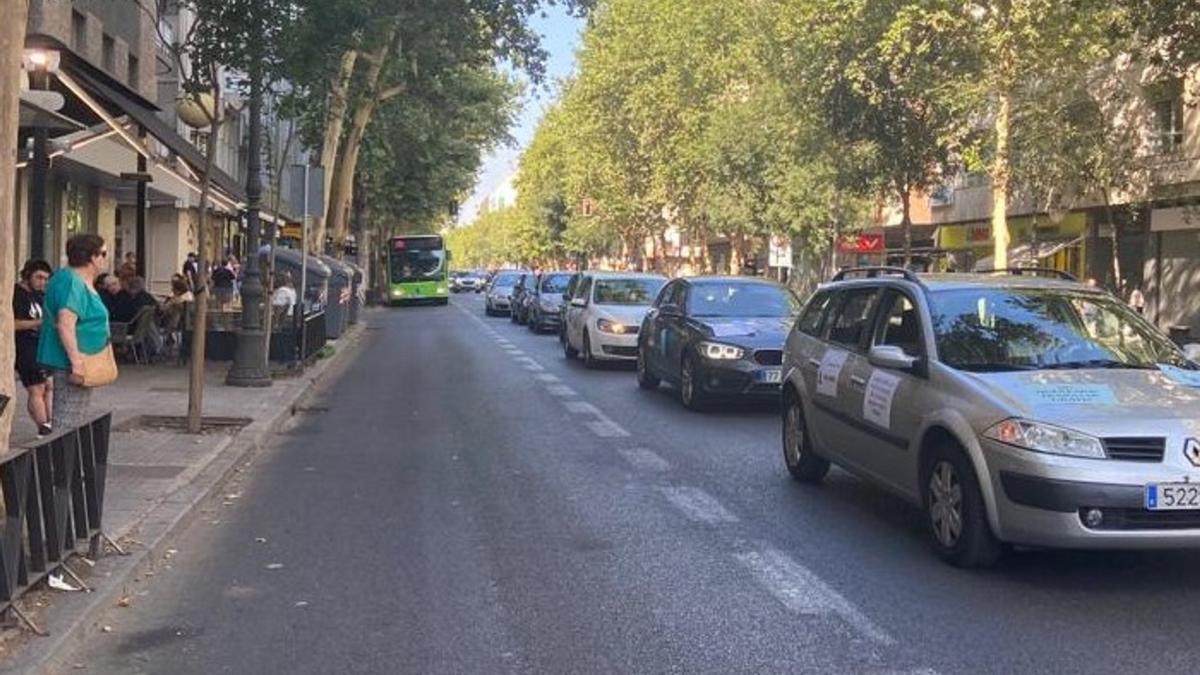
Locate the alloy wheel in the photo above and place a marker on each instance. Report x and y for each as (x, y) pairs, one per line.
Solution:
(794, 434)
(946, 504)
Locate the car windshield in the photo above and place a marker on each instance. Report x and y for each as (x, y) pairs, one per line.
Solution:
(741, 299)
(626, 291)
(555, 283)
(992, 329)
(507, 280)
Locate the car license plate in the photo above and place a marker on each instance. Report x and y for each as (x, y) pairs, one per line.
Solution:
(1173, 497)
(770, 376)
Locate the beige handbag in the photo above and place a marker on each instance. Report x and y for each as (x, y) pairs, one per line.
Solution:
(99, 369)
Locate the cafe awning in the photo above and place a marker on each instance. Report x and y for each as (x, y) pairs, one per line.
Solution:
(93, 96)
(1028, 255)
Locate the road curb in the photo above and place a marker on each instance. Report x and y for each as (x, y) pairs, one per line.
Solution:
(78, 614)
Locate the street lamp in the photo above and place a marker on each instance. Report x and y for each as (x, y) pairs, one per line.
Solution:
(39, 64)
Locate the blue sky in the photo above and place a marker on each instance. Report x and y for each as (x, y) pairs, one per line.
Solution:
(560, 37)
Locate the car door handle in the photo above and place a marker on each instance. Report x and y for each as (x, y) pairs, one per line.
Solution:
(858, 381)
(814, 363)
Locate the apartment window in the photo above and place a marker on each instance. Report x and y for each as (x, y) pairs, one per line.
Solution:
(79, 31)
(109, 55)
(1168, 121)
(133, 75)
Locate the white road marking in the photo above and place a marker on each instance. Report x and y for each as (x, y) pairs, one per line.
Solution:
(548, 377)
(698, 505)
(607, 428)
(803, 592)
(582, 407)
(533, 367)
(561, 390)
(644, 459)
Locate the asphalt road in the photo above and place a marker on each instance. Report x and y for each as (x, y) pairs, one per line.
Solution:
(470, 502)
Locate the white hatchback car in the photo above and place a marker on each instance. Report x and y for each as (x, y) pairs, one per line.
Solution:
(604, 313)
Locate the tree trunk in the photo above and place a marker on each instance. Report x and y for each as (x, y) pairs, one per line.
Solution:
(1118, 284)
(335, 119)
(342, 187)
(906, 224)
(1000, 176)
(12, 42)
(195, 410)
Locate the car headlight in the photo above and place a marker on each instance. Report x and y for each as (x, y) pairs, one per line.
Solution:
(719, 351)
(613, 327)
(1046, 438)
(397, 292)
(441, 289)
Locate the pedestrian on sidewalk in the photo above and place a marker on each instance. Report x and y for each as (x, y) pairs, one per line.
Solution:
(75, 326)
(223, 278)
(27, 310)
(1137, 300)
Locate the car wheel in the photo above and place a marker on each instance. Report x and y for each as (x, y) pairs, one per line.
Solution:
(568, 351)
(958, 525)
(798, 453)
(689, 389)
(488, 311)
(534, 322)
(645, 378)
(589, 359)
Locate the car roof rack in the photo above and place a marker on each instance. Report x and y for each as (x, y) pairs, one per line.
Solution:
(872, 272)
(1032, 271)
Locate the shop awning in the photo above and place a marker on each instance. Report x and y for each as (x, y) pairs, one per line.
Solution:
(1027, 255)
(118, 100)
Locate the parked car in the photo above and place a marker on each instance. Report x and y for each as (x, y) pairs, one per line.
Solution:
(466, 282)
(1012, 409)
(605, 313)
(498, 300)
(524, 287)
(568, 293)
(545, 304)
(717, 336)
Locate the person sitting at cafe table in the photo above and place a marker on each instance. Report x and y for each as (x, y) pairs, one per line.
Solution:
(109, 288)
(131, 300)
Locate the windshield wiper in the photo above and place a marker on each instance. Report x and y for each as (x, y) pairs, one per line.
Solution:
(1097, 363)
(993, 367)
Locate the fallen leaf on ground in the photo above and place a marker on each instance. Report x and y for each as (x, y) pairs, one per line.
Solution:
(125, 601)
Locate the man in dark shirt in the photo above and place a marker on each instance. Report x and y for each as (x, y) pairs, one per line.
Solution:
(191, 270)
(28, 313)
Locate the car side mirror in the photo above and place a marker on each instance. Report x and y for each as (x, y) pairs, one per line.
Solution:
(578, 302)
(566, 297)
(669, 310)
(1192, 352)
(891, 357)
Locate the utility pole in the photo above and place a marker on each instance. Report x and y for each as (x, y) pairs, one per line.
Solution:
(250, 361)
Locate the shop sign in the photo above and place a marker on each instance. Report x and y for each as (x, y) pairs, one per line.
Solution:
(860, 243)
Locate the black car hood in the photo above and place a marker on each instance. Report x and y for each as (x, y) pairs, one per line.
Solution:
(755, 332)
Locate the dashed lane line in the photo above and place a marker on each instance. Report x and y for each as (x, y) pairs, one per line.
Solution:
(644, 459)
(549, 378)
(561, 390)
(802, 591)
(698, 505)
(607, 429)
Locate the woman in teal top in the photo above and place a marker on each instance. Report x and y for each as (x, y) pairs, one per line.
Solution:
(75, 324)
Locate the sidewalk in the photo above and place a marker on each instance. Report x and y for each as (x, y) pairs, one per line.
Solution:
(156, 476)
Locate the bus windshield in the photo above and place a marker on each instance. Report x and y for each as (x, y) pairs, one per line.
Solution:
(421, 259)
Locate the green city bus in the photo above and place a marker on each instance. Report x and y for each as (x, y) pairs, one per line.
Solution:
(418, 269)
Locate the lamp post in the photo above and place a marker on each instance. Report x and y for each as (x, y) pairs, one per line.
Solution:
(39, 64)
(250, 360)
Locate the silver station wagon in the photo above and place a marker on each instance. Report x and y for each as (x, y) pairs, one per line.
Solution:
(1013, 408)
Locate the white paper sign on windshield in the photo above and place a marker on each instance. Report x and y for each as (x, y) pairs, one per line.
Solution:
(1188, 378)
(1070, 394)
(877, 402)
(830, 371)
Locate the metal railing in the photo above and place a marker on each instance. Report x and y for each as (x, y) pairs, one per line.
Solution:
(53, 497)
